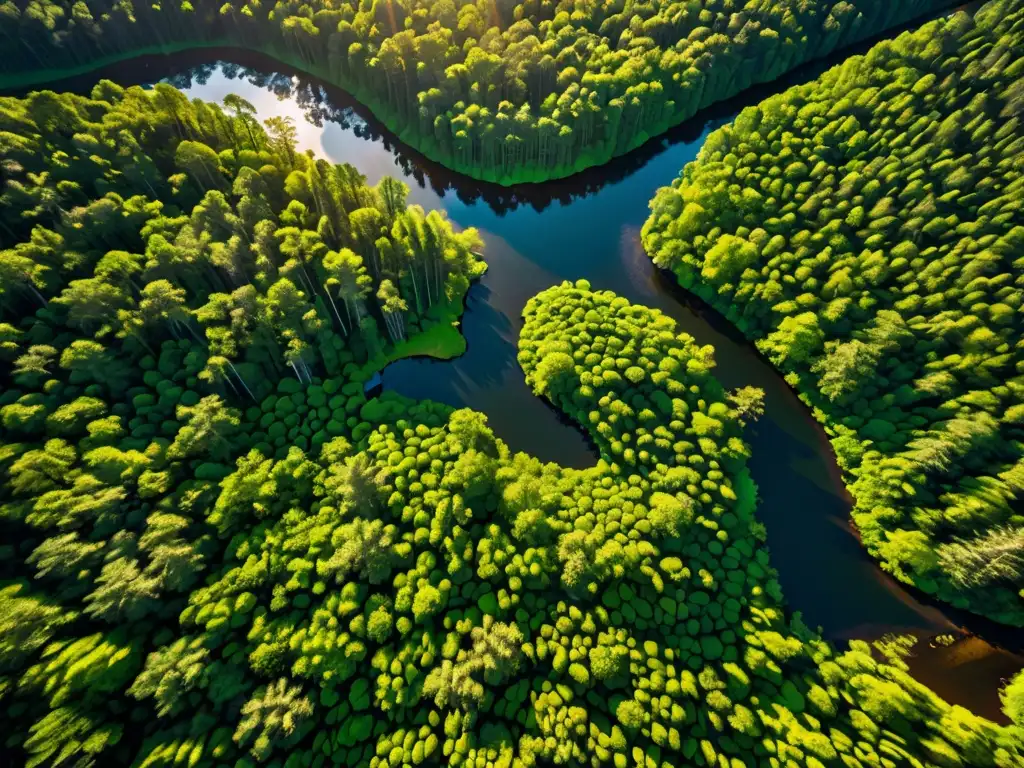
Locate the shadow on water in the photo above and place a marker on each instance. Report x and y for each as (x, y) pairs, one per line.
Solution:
(588, 227)
(322, 104)
(824, 571)
(487, 377)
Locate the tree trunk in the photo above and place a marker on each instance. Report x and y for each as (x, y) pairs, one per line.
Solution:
(415, 290)
(248, 128)
(37, 294)
(334, 308)
(348, 310)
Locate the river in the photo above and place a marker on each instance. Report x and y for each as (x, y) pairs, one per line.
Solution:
(588, 227)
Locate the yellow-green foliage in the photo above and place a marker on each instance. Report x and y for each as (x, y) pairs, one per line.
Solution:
(866, 231)
(408, 592)
(511, 91)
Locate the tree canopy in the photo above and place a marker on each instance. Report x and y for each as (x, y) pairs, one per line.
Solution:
(408, 592)
(216, 548)
(506, 91)
(866, 230)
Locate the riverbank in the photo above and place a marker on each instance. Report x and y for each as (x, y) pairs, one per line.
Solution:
(519, 173)
(24, 81)
(825, 571)
(869, 375)
(588, 227)
(442, 340)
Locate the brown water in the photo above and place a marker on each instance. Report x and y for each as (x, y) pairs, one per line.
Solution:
(588, 227)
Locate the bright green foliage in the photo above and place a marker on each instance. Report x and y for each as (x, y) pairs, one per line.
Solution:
(236, 558)
(408, 592)
(509, 91)
(170, 673)
(263, 259)
(866, 231)
(175, 340)
(27, 622)
(1013, 699)
(276, 712)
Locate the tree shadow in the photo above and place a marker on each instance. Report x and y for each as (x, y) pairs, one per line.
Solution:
(487, 378)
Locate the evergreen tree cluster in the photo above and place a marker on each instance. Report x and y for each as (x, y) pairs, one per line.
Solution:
(165, 266)
(135, 216)
(407, 592)
(216, 549)
(502, 91)
(867, 231)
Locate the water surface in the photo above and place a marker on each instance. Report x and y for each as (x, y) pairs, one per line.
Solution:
(588, 227)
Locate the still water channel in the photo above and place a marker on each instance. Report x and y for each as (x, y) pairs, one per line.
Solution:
(588, 227)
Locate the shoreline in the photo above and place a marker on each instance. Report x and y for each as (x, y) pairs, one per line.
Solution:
(589, 158)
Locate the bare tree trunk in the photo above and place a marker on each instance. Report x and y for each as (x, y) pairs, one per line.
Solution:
(334, 308)
(235, 371)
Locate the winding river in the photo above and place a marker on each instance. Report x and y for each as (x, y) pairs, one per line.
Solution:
(588, 227)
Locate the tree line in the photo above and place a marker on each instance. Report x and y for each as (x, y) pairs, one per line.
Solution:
(866, 230)
(216, 550)
(141, 216)
(507, 92)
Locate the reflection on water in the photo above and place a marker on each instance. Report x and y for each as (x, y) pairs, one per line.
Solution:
(588, 227)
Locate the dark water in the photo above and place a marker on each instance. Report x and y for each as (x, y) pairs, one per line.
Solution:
(588, 227)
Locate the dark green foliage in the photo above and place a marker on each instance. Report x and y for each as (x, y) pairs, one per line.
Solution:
(1013, 699)
(247, 254)
(218, 552)
(161, 274)
(510, 91)
(409, 592)
(866, 230)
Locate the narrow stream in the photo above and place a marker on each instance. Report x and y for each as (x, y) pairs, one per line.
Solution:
(588, 227)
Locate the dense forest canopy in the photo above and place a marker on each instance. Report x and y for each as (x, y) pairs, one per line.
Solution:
(162, 263)
(408, 592)
(218, 548)
(867, 231)
(503, 91)
(141, 214)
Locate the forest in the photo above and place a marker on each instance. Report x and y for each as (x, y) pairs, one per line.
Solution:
(502, 91)
(867, 231)
(210, 519)
(194, 597)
